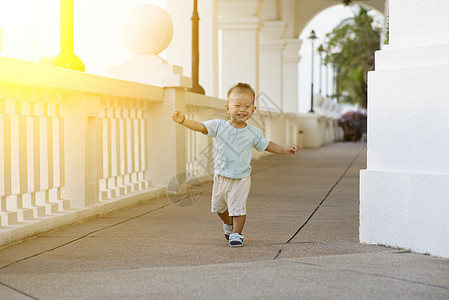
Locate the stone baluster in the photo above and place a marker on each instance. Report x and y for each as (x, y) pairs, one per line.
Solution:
(120, 128)
(7, 217)
(19, 166)
(33, 161)
(105, 193)
(54, 115)
(111, 157)
(127, 130)
(134, 148)
(142, 145)
(45, 155)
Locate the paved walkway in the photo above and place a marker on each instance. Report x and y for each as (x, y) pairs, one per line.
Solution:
(301, 242)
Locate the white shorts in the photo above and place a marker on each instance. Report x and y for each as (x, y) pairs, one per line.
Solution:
(230, 194)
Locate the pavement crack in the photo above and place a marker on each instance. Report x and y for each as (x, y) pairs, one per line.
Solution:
(327, 195)
(375, 275)
(83, 236)
(277, 255)
(18, 291)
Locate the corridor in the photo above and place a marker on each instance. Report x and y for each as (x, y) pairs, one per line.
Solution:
(301, 241)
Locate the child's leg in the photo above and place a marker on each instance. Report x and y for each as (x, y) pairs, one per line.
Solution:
(225, 217)
(238, 223)
(237, 203)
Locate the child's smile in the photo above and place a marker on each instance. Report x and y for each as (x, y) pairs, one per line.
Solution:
(240, 108)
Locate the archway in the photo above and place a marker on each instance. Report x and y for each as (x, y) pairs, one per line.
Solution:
(322, 23)
(305, 11)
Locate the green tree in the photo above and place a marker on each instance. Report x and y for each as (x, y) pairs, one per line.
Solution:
(350, 48)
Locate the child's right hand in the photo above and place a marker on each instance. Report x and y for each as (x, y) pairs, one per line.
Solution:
(292, 149)
(178, 116)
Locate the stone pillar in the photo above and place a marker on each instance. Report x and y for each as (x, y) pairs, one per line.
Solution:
(168, 158)
(270, 96)
(404, 190)
(291, 60)
(239, 25)
(80, 150)
(208, 11)
(272, 44)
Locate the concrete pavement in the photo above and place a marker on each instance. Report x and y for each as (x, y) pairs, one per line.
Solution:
(301, 241)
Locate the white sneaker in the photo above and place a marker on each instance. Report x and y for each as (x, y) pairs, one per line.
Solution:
(236, 240)
(227, 230)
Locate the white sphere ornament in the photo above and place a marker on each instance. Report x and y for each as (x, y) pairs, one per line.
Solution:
(146, 29)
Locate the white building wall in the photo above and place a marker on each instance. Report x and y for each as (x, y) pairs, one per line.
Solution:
(290, 78)
(404, 191)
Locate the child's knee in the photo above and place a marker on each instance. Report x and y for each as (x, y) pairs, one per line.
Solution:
(219, 210)
(237, 211)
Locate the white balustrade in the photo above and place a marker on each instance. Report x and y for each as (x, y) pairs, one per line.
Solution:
(123, 147)
(31, 160)
(70, 141)
(75, 145)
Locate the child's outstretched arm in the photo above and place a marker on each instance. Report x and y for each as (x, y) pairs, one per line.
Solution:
(275, 148)
(180, 118)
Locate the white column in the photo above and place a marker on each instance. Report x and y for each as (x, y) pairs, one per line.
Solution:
(239, 25)
(291, 60)
(208, 44)
(404, 191)
(272, 44)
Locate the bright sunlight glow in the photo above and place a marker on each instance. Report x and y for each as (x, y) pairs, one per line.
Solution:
(30, 31)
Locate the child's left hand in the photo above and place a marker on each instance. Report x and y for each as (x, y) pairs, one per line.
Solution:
(292, 149)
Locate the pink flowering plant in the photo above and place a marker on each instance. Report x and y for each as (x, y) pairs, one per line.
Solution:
(353, 124)
(353, 115)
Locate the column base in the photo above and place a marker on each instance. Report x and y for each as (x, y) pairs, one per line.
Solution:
(406, 210)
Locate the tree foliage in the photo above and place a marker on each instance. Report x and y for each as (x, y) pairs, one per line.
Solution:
(350, 48)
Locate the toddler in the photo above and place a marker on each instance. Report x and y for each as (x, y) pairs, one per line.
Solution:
(234, 141)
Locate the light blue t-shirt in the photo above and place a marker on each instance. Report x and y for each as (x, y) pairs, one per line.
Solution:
(233, 147)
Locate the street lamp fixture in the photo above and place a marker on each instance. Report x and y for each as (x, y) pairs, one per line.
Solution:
(196, 87)
(67, 58)
(320, 50)
(312, 37)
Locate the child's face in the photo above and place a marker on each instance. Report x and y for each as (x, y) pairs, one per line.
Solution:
(240, 107)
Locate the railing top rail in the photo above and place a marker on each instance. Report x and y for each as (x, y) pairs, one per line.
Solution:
(23, 73)
(195, 99)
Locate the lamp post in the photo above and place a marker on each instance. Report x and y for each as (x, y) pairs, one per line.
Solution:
(312, 37)
(196, 87)
(67, 58)
(320, 51)
(337, 83)
(327, 80)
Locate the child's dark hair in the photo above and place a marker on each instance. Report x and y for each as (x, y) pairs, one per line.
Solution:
(242, 86)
